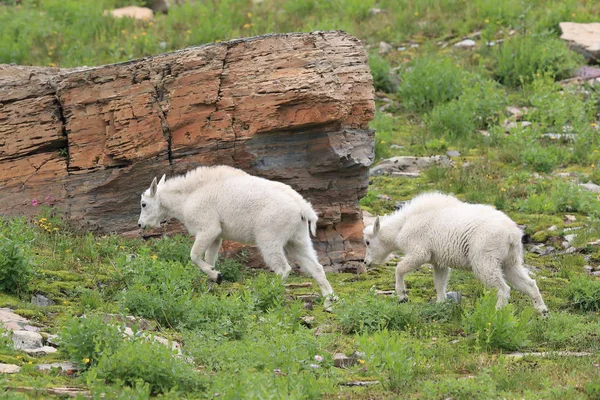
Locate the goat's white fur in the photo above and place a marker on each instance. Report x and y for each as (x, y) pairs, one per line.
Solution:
(441, 230)
(221, 202)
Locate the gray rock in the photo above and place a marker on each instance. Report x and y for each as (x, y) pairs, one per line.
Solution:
(453, 153)
(408, 164)
(307, 321)
(401, 48)
(414, 45)
(571, 218)
(465, 44)
(592, 187)
(9, 368)
(396, 146)
(12, 321)
(588, 268)
(455, 297)
(537, 249)
(41, 351)
(569, 238)
(583, 38)
(25, 340)
(376, 11)
(596, 273)
(571, 250)
(384, 197)
(384, 47)
(64, 366)
(31, 328)
(526, 124)
(553, 228)
(515, 112)
(360, 383)
(41, 301)
(567, 137)
(340, 360)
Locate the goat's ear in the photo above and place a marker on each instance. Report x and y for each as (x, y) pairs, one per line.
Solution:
(153, 187)
(376, 227)
(162, 180)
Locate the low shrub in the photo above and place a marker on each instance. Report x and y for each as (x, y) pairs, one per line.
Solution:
(267, 291)
(15, 270)
(370, 313)
(430, 81)
(520, 59)
(86, 339)
(497, 329)
(380, 69)
(150, 362)
(583, 293)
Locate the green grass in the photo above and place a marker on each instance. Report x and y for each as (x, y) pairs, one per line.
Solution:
(244, 339)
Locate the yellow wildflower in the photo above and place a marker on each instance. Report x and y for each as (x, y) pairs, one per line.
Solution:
(67, 250)
(487, 21)
(361, 361)
(246, 26)
(143, 33)
(593, 125)
(154, 256)
(249, 15)
(416, 13)
(86, 360)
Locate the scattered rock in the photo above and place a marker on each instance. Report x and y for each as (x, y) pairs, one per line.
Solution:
(305, 297)
(465, 44)
(401, 48)
(596, 273)
(31, 328)
(307, 321)
(130, 321)
(396, 146)
(570, 237)
(414, 45)
(570, 218)
(518, 355)
(384, 197)
(582, 38)
(141, 13)
(385, 292)
(407, 174)
(515, 112)
(41, 301)
(455, 297)
(63, 366)
(453, 153)
(384, 48)
(553, 228)
(588, 268)
(541, 249)
(12, 321)
(408, 164)
(592, 187)
(9, 368)
(376, 11)
(25, 340)
(526, 124)
(484, 133)
(340, 360)
(571, 250)
(360, 383)
(41, 351)
(594, 243)
(298, 285)
(567, 137)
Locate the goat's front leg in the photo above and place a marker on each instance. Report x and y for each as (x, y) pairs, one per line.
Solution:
(407, 264)
(203, 241)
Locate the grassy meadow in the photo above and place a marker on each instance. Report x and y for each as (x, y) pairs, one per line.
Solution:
(246, 338)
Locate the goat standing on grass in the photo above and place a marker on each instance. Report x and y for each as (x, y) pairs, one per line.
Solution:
(441, 230)
(216, 203)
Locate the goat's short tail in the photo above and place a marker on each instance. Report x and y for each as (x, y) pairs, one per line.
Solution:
(311, 218)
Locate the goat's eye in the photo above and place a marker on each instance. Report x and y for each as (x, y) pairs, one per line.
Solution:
(368, 243)
(143, 205)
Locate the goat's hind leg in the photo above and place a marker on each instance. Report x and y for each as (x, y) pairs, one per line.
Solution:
(488, 270)
(306, 257)
(440, 280)
(518, 277)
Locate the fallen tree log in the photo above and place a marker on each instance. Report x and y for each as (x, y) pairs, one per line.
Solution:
(291, 107)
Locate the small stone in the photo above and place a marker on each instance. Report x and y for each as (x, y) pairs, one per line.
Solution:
(596, 273)
(570, 218)
(26, 340)
(465, 44)
(9, 368)
(376, 11)
(569, 238)
(135, 12)
(549, 250)
(340, 360)
(361, 383)
(588, 268)
(571, 250)
(515, 112)
(31, 328)
(567, 137)
(592, 187)
(40, 351)
(307, 321)
(537, 249)
(64, 366)
(526, 124)
(384, 197)
(396, 146)
(553, 228)
(41, 301)
(454, 297)
(385, 292)
(594, 243)
(453, 153)
(384, 47)
(484, 133)
(401, 48)
(414, 45)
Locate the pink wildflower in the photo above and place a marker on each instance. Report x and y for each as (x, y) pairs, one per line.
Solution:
(34, 202)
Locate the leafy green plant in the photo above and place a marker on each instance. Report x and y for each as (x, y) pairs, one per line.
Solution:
(396, 361)
(519, 59)
(86, 339)
(370, 313)
(583, 293)
(267, 291)
(150, 362)
(90, 299)
(542, 159)
(470, 388)
(15, 270)
(497, 329)
(430, 81)
(232, 270)
(380, 69)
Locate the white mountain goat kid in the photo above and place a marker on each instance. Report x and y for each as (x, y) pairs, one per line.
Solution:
(221, 202)
(441, 230)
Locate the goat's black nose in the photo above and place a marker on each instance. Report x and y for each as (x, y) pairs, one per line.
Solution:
(139, 225)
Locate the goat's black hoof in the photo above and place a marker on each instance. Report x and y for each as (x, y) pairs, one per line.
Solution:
(219, 278)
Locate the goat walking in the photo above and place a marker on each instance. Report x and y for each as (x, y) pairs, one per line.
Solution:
(441, 230)
(221, 202)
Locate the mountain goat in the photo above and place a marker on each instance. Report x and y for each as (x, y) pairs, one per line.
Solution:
(441, 230)
(221, 202)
